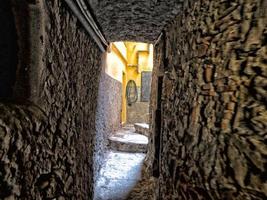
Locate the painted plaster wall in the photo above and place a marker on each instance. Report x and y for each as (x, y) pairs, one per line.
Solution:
(139, 59)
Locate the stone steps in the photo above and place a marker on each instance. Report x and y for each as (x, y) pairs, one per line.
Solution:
(142, 128)
(127, 140)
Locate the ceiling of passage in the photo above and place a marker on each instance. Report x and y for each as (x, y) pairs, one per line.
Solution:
(134, 20)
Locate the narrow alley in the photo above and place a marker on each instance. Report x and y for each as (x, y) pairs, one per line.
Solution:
(133, 100)
(123, 167)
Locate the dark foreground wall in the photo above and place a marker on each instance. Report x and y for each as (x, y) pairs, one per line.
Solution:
(213, 139)
(8, 50)
(46, 151)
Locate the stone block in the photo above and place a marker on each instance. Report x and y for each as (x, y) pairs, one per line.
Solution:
(208, 73)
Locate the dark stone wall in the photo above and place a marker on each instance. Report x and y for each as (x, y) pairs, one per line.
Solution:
(27, 162)
(108, 115)
(213, 136)
(46, 151)
(8, 50)
(134, 20)
(29, 22)
(155, 110)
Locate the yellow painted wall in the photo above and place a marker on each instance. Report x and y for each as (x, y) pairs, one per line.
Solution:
(122, 49)
(139, 58)
(114, 66)
(132, 51)
(126, 61)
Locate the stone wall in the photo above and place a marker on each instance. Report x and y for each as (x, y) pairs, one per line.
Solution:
(138, 112)
(46, 151)
(134, 20)
(29, 21)
(155, 109)
(108, 116)
(213, 136)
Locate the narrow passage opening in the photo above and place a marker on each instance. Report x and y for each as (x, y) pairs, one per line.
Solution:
(128, 66)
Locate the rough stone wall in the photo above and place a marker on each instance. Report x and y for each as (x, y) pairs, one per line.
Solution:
(214, 117)
(26, 168)
(46, 151)
(134, 20)
(152, 158)
(138, 112)
(108, 116)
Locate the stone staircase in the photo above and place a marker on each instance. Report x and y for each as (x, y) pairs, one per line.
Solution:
(128, 140)
(142, 128)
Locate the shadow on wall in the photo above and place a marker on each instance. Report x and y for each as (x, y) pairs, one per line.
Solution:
(8, 50)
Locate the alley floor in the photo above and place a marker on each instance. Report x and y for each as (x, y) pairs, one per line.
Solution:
(119, 175)
(122, 171)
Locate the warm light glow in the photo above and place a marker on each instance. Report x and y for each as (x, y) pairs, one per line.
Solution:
(126, 61)
(114, 66)
(122, 48)
(150, 57)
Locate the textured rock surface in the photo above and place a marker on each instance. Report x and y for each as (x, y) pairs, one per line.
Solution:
(213, 141)
(108, 115)
(142, 128)
(145, 187)
(70, 81)
(27, 170)
(134, 20)
(46, 152)
(138, 112)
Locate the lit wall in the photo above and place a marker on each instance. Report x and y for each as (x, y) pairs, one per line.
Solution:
(125, 61)
(114, 65)
(139, 58)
